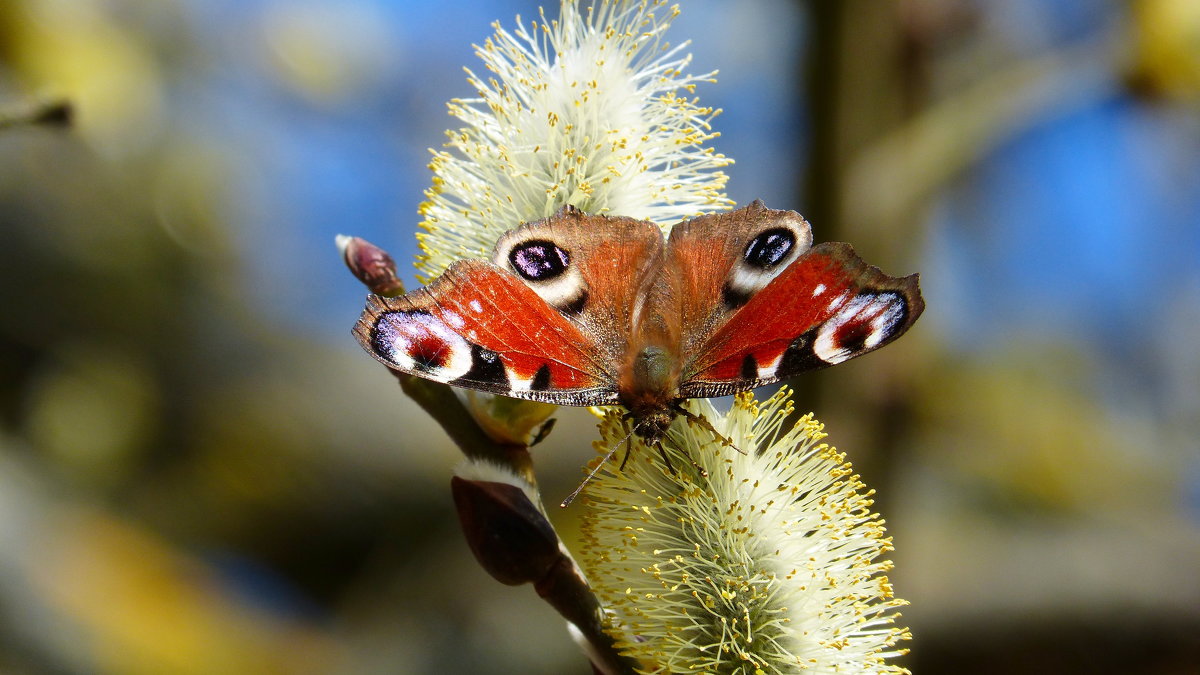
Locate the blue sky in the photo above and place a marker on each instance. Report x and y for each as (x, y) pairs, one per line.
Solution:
(1084, 226)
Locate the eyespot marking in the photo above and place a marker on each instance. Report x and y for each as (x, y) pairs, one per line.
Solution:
(417, 341)
(749, 368)
(862, 324)
(575, 307)
(545, 267)
(768, 369)
(539, 260)
(765, 257)
(769, 248)
(799, 356)
(733, 297)
(486, 366)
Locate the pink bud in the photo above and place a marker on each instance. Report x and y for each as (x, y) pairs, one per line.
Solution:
(370, 265)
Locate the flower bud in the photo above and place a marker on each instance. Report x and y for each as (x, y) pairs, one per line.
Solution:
(371, 265)
(509, 536)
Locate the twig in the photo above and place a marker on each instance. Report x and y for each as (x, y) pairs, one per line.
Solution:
(51, 113)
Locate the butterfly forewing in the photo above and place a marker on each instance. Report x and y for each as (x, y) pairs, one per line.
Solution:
(827, 307)
(481, 327)
(592, 269)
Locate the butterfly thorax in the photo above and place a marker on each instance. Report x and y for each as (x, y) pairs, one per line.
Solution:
(649, 386)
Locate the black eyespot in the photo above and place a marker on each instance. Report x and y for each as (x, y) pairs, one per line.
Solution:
(539, 260)
(769, 248)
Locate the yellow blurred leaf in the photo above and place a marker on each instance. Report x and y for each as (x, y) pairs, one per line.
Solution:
(1166, 46)
(75, 49)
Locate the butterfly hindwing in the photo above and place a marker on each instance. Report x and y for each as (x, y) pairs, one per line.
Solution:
(826, 307)
(722, 260)
(481, 327)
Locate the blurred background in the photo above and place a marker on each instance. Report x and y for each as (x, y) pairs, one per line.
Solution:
(201, 472)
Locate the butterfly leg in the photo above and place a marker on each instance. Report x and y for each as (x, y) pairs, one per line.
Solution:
(700, 471)
(662, 452)
(628, 445)
(628, 451)
(706, 425)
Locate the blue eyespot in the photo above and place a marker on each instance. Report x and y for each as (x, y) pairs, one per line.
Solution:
(539, 260)
(769, 248)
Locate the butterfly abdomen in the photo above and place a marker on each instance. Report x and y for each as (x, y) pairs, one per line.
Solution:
(650, 381)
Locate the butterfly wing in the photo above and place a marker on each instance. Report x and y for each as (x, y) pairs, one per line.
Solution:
(592, 269)
(779, 307)
(547, 320)
(480, 327)
(707, 257)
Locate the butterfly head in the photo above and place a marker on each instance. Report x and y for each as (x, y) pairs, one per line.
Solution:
(651, 428)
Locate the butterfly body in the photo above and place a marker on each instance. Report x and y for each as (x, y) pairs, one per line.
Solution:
(586, 310)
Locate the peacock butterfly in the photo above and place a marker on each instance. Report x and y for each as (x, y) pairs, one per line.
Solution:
(586, 310)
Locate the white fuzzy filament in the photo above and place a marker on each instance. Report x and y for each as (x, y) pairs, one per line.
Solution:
(590, 110)
(742, 563)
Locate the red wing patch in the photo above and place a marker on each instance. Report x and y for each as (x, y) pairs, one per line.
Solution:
(480, 327)
(827, 307)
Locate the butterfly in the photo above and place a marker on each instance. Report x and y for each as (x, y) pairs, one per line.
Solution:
(590, 310)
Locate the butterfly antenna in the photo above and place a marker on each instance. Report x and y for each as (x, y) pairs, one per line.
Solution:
(591, 474)
(596, 469)
(628, 451)
(705, 424)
